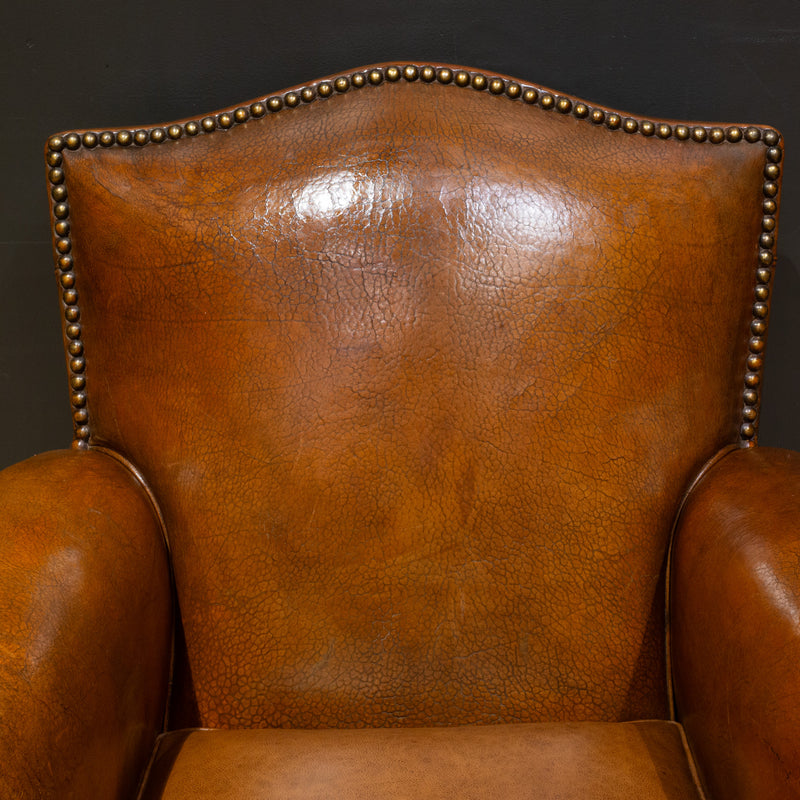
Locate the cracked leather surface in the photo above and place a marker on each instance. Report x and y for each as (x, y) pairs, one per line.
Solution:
(418, 376)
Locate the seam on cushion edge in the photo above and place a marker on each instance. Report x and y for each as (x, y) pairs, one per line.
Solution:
(692, 765)
(140, 479)
(701, 473)
(148, 769)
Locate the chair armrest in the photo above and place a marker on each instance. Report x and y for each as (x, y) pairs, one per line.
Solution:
(735, 624)
(85, 627)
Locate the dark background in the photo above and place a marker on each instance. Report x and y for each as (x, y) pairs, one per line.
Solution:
(72, 65)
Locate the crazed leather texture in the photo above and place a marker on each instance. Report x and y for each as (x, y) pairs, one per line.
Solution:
(418, 375)
(635, 761)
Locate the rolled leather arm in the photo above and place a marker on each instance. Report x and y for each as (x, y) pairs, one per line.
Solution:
(735, 625)
(85, 627)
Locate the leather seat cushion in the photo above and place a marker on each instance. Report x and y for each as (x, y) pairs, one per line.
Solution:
(642, 760)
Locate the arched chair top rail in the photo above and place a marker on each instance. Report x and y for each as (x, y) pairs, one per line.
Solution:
(489, 83)
(496, 88)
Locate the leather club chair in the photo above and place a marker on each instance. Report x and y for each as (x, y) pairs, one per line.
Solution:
(415, 456)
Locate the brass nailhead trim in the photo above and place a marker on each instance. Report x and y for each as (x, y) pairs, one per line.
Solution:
(762, 290)
(445, 76)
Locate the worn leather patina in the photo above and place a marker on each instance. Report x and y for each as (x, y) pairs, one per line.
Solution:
(416, 375)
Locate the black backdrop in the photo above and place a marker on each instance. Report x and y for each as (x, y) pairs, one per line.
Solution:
(74, 65)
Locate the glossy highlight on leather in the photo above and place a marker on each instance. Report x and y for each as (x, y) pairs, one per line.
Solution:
(425, 351)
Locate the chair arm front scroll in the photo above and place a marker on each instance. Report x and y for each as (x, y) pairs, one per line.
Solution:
(735, 625)
(85, 627)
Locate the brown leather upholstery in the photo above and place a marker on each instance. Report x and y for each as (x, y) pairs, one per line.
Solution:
(417, 367)
(86, 625)
(736, 624)
(431, 359)
(628, 761)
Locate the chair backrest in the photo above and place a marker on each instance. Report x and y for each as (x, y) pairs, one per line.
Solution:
(418, 363)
